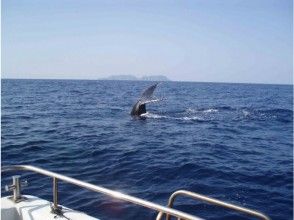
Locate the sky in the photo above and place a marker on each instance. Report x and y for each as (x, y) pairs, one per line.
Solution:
(248, 41)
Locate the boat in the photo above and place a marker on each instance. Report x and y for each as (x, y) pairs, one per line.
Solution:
(28, 207)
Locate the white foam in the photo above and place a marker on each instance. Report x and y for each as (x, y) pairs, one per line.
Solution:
(190, 118)
(246, 113)
(184, 118)
(210, 110)
(151, 115)
(190, 110)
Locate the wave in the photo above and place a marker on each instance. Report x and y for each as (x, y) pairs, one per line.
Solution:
(246, 113)
(245, 110)
(209, 114)
(183, 118)
(283, 115)
(276, 110)
(210, 110)
(152, 115)
(191, 118)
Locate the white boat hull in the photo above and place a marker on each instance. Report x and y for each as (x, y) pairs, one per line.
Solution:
(34, 208)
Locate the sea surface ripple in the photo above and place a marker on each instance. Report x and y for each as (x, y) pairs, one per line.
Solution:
(229, 141)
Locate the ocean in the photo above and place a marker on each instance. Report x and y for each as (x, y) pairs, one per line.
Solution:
(233, 142)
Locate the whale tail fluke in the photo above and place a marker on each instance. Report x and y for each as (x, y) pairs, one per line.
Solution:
(147, 97)
(147, 94)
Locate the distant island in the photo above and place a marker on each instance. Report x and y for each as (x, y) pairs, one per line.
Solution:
(143, 78)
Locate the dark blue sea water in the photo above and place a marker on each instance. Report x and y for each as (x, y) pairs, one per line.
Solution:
(229, 141)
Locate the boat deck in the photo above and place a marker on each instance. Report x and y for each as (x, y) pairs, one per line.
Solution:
(34, 208)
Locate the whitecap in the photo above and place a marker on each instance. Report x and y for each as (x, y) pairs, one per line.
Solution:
(210, 110)
(190, 110)
(246, 113)
(190, 118)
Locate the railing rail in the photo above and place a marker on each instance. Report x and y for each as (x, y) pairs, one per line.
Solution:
(211, 201)
(92, 187)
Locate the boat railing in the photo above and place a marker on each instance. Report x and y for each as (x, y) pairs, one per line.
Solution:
(212, 201)
(168, 211)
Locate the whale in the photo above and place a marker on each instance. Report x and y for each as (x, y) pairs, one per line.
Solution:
(139, 108)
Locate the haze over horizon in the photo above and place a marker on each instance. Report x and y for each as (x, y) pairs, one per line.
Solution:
(204, 41)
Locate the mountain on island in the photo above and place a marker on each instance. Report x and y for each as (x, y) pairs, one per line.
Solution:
(143, 78)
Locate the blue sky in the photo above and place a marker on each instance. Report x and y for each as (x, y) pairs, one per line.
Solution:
(200, 40)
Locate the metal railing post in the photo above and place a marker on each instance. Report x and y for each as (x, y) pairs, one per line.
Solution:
(55, 193)
(16, 191)
(55, 208)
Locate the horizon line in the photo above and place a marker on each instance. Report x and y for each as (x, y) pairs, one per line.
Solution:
(102, 79)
